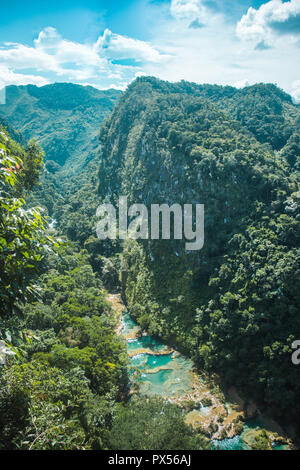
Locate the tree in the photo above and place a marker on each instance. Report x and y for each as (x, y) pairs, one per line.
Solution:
(23, 241)
(153, 424)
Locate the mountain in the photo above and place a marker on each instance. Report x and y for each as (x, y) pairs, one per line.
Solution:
(264, 109)
(65, 118)
(234, 305)
(16, 136)
(64, 369)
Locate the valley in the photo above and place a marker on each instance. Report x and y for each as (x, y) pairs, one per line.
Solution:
(206, 336)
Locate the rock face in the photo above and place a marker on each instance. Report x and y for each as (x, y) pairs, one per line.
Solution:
(217, 421)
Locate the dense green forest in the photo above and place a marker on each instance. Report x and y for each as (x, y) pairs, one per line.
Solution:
(66, 384)
(233, 307)
(63, 117)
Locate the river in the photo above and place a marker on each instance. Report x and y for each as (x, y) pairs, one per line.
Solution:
(158, 370)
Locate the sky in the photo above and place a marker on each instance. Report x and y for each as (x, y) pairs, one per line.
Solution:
(107, 44)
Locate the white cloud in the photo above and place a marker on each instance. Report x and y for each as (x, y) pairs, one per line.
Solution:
(241, 83)
(47, 39)
(295, 91)
(72, 61)
(214, 53)
(188, 10)
(21, 57)
(174, 51)
(119, 47)
(270, 21)
(8, 77)
(52, 44)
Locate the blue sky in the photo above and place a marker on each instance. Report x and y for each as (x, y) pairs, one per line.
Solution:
(109, 43)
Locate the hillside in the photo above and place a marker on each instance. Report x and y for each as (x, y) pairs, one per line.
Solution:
(64, 369)
(234, 305)
(64, 117)
(17, 136)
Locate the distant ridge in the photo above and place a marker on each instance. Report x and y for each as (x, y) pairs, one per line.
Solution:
(64, 117)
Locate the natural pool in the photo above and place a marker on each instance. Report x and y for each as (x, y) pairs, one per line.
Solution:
(169, 374)
(162, 373)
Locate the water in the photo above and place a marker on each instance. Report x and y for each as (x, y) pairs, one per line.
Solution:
(148, 361)
(168, 374)
(235, 443)
(145, 342)
(281, 447)
(163, 373)
(129, 325)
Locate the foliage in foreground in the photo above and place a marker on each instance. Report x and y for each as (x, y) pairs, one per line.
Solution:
(23, 241)
(62, 391)
(152, 423)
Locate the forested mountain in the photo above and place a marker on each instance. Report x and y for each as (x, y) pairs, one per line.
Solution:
(64, 117)
(46, 402)
(16, 136)
(234, 306)
(67, 385)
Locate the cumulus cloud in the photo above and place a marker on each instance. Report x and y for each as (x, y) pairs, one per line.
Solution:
(51, 43)
(48, 39)
(118, 47)
(272, 19)
(190, 10)
(73, 61)
(8, 77)
(51, 53)
(22, 57)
